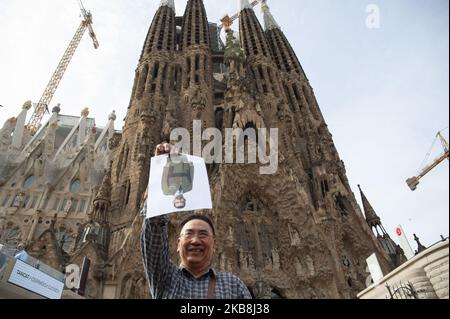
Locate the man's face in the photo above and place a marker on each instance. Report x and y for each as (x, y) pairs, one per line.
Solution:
(196, 244)
(179, 202)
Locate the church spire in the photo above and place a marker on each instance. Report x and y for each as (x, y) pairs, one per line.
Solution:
(252, 33)
(374, 221)
(195, 29)
(269, 20)
(162, 32)
(283, 53)
(371, 217)
(257, 50)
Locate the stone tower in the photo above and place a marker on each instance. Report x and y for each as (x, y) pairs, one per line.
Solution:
(298, 233)
(394, 250)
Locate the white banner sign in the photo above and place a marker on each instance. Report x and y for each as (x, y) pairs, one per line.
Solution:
(28, 277)
(177, 183)
(404, 243)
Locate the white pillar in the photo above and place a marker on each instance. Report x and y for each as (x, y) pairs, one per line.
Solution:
(82, 127)
(112, 118)
(20, 127)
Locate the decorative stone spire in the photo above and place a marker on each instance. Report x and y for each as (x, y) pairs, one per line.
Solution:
(105, 189)
(420, 247)
(161, 35)
(112, 116)
(57, 109)
(85, 112)
(269, 20)
(168, 3)
(19, 131)
(373, 220)
(195, 29)
(97, 229)
(371, 217)
(251, 32)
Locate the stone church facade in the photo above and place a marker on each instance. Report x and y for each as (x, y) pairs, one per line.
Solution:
(48, 181)
(296, 234)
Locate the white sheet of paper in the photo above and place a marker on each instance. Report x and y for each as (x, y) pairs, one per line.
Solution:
(197, 195)
(374, 268)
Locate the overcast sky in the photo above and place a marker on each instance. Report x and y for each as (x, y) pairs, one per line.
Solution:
(383, 92)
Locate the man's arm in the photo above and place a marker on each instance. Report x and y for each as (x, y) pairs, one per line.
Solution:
(158, 266)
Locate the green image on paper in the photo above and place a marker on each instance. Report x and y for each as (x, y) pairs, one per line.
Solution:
(177, 179)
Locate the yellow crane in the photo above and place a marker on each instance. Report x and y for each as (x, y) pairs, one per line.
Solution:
(413, 182)
(227, 21)
(42, 107)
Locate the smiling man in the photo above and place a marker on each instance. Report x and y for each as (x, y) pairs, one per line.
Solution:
(194, 278)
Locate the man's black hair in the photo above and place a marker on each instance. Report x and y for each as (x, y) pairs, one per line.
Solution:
(204, 218)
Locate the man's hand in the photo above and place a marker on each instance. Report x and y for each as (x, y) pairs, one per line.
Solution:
(164, 148)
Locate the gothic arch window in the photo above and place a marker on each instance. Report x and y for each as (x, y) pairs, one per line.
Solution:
(128, 193)
(119, 164)
(272, 82)
(125, 193)
(188, 72)
(341, 204)
(164, 79)
(289, 96)
(324, 186)
(136, 81)
(197, 68)
(75, 186)
(125, 157)
(262, 78)
(142, 81)
(28, 183)
(154, 76)
(297, 94)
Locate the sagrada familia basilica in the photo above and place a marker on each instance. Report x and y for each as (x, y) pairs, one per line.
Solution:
(74, 190)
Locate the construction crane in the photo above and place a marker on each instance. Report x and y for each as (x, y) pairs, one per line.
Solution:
(42, 107)
(227, 21)
(413, 182)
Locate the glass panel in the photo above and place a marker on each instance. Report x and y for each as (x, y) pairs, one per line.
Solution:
(28, 182)
(75, 186)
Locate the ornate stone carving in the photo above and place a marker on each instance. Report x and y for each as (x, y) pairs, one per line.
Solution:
(262, 290)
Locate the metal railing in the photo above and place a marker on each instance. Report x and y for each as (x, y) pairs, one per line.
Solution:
(402, 291)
